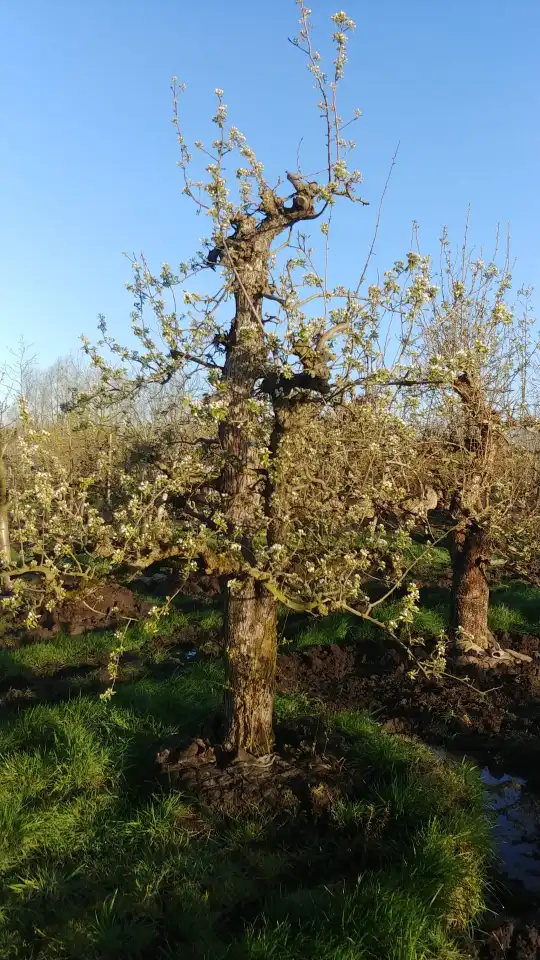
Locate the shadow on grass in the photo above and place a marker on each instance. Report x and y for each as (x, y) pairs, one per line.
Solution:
(21, 688)
(515, 607)
(92, 866)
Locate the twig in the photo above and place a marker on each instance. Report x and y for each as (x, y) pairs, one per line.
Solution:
(378, 222)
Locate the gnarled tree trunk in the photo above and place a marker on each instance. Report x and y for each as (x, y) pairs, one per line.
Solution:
(5, 545)
(250, 613)
(470, 588)
(470, 545)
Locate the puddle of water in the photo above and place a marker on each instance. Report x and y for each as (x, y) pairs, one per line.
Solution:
(181, 654)
(516, 831)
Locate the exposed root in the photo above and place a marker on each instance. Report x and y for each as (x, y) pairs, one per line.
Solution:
(491, 656)
(515, 655)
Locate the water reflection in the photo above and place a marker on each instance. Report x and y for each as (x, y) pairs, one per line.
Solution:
(516, 830)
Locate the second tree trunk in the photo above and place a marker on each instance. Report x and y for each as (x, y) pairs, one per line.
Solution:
(470, 588)
(5, 547)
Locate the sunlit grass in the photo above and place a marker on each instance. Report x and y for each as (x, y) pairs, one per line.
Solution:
(428, 623)
(98, 861)
(92, 649)
(514, 608)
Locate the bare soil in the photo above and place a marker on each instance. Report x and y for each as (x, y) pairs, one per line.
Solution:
(97, 608)
(494, 713)
(303, 776)
(510, 941)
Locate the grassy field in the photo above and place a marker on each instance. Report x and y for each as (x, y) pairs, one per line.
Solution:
(98, 860)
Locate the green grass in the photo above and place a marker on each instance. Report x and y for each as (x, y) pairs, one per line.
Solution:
(98, 861)
(92, 649)
(429, 622)
(433, 561)
(333, 629)
(515, 607)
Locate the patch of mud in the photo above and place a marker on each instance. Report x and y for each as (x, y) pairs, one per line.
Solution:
(510, 941)
(305, 775)
(493, 714)
(96, 608)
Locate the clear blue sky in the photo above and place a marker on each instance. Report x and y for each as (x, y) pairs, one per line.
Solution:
(88, 158)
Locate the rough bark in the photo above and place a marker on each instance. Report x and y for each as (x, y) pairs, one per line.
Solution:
(249, 625)
(5, 545)
(470, 545)
(251, 644)
(470, 588)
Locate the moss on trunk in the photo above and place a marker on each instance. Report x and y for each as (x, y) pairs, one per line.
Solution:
(251, 653)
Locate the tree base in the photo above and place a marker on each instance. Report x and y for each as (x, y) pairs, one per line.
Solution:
(305, 775)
